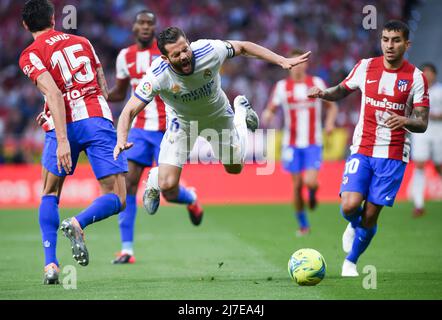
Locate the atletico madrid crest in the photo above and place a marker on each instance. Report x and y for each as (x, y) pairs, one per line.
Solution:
(402, 85)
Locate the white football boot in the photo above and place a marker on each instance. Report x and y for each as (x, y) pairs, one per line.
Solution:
(349, 269)
(151, 196)
(252, 119)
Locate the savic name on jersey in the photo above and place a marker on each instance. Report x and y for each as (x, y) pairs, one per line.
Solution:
(197, 96)
(397, 91)
(72, 63)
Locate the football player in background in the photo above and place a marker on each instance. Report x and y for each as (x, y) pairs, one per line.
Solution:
(187, 79)
(302, 140)
(394, 103)
(77, 118)
(427, 146)
(147, 129)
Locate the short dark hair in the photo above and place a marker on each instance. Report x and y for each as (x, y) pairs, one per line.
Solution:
(145, 11)
(396, 25)
(37, 14)
(169, 35)
(430, 66)
(297, 52)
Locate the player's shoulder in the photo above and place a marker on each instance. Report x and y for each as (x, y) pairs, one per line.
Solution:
(124, 51)
(158, 67)
(372, 62)
(317, 81)
(202, 44)
(27, 50)
(316, 78)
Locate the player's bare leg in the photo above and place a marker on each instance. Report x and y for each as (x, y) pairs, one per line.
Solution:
(168, 180)
(49, 222)
(126, 218)
(165, 179)
(418, 188)
(311, 181)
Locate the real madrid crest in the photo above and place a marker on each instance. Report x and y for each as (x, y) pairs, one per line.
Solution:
(207, 74)
(175, 89)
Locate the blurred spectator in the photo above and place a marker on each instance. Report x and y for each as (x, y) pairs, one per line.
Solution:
(332, 29)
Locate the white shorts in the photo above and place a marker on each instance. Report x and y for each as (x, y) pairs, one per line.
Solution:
(181, 135)
(428, 145)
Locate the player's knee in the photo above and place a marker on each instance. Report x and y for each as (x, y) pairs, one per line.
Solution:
(350, 205)
(167, 184)
(233, 169)
(311, 183)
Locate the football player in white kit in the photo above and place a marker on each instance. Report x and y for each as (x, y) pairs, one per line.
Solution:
(187, 78)
(427, 146)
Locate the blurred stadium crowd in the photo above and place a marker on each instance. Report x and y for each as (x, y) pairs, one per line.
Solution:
(331, 29)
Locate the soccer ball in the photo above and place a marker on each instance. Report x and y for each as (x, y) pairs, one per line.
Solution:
(307, 267)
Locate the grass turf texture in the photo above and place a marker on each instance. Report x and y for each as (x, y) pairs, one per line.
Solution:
(239, 252)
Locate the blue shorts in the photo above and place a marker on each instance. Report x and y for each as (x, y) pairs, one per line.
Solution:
(146, 146)
(377, 179)
(295, 160)
(97, 138)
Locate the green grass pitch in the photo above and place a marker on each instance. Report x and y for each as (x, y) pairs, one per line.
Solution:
(239, 252)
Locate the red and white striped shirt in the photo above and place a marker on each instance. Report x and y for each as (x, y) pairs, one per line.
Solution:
(395, 90)
(302, 115)
(72, 63)
(133, 63)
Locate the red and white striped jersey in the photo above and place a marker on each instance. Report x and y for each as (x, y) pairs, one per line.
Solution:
(382, 89)
(72, 63)
(302, 115)
(133, 63)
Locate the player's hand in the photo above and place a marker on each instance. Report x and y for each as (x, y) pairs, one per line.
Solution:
(395, 121)
(120, 147)
(315, 92)
(289, 63)
(64, 159)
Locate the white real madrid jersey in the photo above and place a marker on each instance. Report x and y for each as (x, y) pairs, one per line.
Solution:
(197, 96)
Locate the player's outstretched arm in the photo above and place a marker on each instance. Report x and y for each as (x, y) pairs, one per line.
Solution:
(55, 101)
(130, 111)
(331, 94)
(102, 82)
(417, 122)
(247, 48)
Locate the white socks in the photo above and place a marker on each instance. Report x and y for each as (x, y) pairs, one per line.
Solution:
(152, 180)
(418, 188)
(239, 120)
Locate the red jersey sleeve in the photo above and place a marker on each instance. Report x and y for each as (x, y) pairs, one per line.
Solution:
(31, 64)
(421, 97)
(356, 77)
